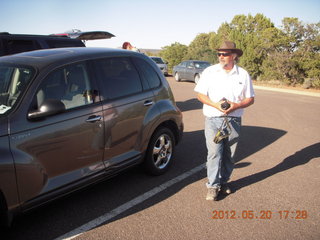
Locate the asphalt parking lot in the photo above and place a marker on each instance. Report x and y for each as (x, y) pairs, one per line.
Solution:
(276, 184)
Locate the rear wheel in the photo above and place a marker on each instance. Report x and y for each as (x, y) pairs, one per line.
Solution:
(196, 78)
(160, 152)
(177, 77)
(4, 220)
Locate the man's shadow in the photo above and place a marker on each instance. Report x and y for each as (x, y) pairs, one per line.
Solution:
(298, 158)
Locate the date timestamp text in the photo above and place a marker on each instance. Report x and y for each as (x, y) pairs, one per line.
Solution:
(263, 214)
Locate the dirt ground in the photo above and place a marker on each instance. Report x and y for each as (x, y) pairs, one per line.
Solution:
(298, 88)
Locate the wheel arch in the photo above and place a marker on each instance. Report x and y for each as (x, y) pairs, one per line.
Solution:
(163, 161)
(171, 125)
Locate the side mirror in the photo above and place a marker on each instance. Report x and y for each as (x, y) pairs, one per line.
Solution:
(48, 108)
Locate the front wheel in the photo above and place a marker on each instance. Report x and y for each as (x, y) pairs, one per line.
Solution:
(177, 77)
(196, 78)
(160, 152)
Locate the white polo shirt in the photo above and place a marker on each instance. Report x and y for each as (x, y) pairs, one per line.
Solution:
(216, 83)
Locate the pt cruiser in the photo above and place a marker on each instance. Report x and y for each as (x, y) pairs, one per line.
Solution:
(73, 116)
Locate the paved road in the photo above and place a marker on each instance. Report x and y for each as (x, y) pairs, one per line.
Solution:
(276, 184)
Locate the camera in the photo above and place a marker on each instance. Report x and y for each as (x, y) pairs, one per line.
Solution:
(225, 105)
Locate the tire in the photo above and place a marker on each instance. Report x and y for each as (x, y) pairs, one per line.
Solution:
(4, 220)
(196, 78)
(160, 152)
(177, 77)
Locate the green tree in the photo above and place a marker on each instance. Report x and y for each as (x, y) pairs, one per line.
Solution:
(199, 48)
(174, 54)
(222, 34)
(293, 30)
(249, 34)
(309, 55)
(289, 54)
(294, 58)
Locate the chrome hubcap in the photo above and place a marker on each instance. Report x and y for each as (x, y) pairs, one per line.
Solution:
(162, 151)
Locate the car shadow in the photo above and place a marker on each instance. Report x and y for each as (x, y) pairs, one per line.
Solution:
(81, 207)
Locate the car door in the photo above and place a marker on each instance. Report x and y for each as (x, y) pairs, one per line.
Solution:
(182, 70)
(125, 104)
(189, 73)
(60, 150)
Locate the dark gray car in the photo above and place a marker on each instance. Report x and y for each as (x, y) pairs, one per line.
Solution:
(17, 43)
(70, 117)
(189, 70)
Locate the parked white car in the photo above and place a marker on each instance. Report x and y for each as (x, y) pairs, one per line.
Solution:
(161, 64)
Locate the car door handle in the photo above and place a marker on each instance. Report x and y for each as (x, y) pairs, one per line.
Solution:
(94, 118)
(148, 103)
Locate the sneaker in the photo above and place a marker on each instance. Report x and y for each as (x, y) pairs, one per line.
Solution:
(225, 189)
(212, 194)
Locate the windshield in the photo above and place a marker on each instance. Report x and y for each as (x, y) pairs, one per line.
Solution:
(158, 60)
(201, 64)
(13, 82)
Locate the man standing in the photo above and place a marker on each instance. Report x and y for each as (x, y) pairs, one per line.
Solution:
(225, 89)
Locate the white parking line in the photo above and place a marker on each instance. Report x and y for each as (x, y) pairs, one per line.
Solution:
(124, 207)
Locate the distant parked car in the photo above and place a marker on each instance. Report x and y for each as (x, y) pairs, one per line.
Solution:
(189, 70)
(72, 116)
(161, 64)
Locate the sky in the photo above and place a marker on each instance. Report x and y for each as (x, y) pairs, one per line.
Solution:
(148, 24)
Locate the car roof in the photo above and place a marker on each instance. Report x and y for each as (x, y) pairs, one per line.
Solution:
(58, 56)
(32, 36)
(78, 35)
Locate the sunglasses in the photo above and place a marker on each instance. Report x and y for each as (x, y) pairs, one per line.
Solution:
(224, 54)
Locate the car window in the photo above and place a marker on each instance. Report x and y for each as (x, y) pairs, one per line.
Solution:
(148, 73)
(190, 64)
(202, 64)
(118, 76)
(183, 64)
(13, 82)
(18, 46)
(70, 85)
(158, 60)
